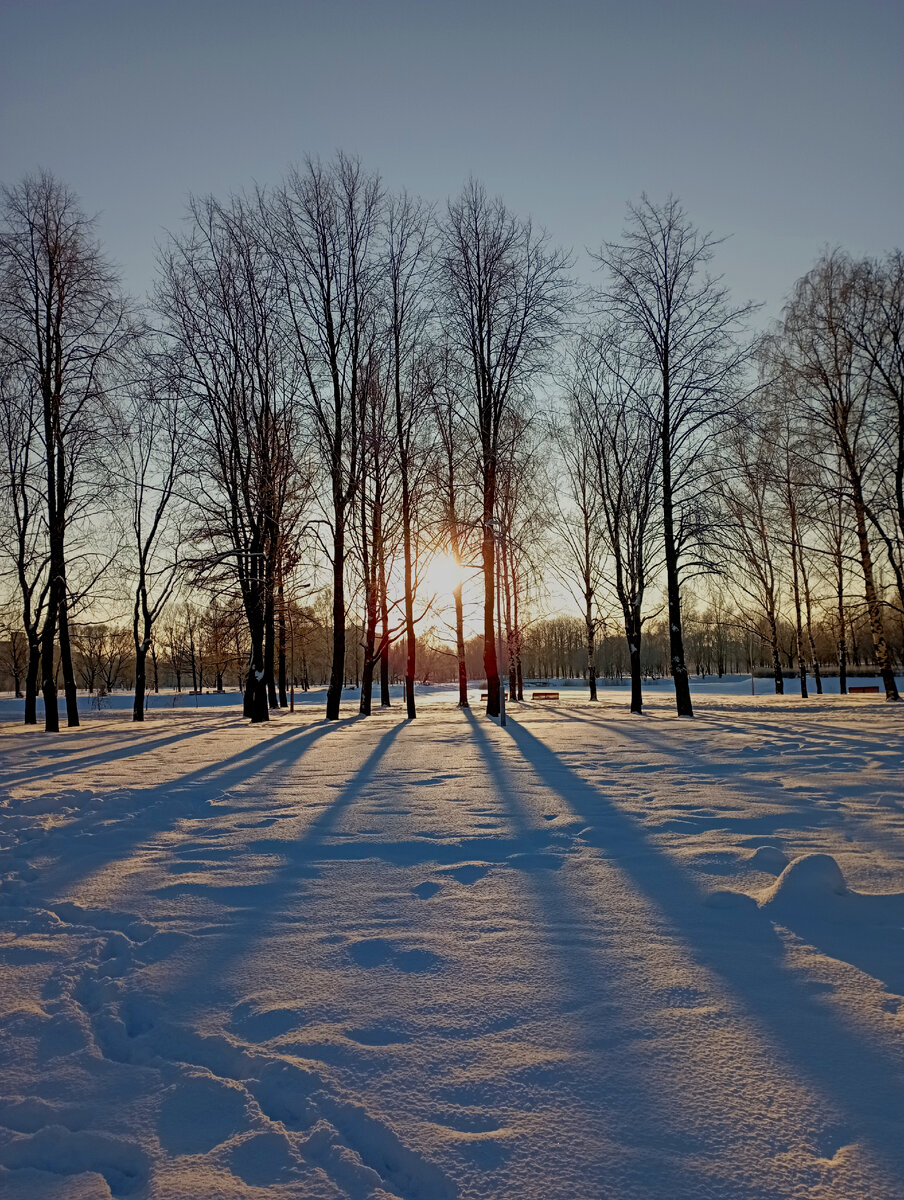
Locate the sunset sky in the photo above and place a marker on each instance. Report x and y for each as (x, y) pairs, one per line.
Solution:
(777, 123)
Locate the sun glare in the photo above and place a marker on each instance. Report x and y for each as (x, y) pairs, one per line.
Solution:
(444, 574)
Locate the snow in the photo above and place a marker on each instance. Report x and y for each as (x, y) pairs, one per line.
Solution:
(585, 955)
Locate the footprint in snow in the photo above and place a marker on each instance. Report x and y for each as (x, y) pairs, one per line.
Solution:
(468, 873)
(379, 952)
(200, 1113)
(425, 890)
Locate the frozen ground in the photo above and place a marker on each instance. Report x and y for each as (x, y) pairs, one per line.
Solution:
(565, 960)
(439, 693)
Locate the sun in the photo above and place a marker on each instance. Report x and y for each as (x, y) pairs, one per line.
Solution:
(443, 575)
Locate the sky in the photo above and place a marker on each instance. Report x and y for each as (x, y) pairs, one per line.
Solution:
(778, 124)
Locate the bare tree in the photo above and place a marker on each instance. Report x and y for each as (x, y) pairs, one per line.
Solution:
(579, 521)
(324, 224)
(750, 532)
(875, 318)
(409, 248)
(63, 322)
(221, 296)
(154, 449)
(817, 353)
(680, 332)
(452, 450)
(23, 527)
(503, 296)
(624, 445)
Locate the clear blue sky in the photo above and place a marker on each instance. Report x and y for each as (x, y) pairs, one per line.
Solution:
(776, 122)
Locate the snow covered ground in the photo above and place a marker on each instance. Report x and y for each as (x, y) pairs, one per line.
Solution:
(563, 960)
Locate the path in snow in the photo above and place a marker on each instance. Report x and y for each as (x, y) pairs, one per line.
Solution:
(566, 959)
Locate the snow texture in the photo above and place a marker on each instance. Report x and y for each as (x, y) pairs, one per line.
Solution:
(587, 955)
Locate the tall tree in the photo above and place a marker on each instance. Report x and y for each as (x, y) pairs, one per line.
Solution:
(324, 228)
(409, 247)
(679, 326)
(154, 450)
(23, 526)
(579, 520)
(221, 296)
(503, 293)
(623, 445)
(63, 322)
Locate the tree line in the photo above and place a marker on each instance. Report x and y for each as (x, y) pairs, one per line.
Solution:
(331, 384)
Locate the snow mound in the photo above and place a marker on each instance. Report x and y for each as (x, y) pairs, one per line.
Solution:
(769, 859)
(806, 880)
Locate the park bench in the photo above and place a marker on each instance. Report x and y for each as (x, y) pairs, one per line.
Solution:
(544, 695)
(871, 688)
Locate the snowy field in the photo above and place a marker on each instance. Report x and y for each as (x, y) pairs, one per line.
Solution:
(587, 956)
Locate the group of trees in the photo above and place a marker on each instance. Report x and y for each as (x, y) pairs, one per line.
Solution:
(774, 465)
(332, 384)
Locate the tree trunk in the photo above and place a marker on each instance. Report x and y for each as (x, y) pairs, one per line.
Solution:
(140, 665)
(410, 639)
(283, 670)
(460, 648)
(632, 629)
(337, 667)
(872, 600)
(676, 642)
(490, 664)
(370, 642)
(842, 640)
(48, 645)
(31, 682)
(591, 643)
(384, 702)
(69, 688)
(776, 658)
(798, 627)
(270, 644)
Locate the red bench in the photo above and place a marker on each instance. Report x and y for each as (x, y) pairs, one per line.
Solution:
(872, 688)
(544, 695)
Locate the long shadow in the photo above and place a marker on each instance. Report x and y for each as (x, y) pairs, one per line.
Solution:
(741, 946)
(642, 1112)
(141, 814)
(133, 747)
(263, 906)
(734, 775)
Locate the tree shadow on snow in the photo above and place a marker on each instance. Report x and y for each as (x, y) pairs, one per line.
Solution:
(740, 946)
(130, 817)
(644, 1117)
(139, 744)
